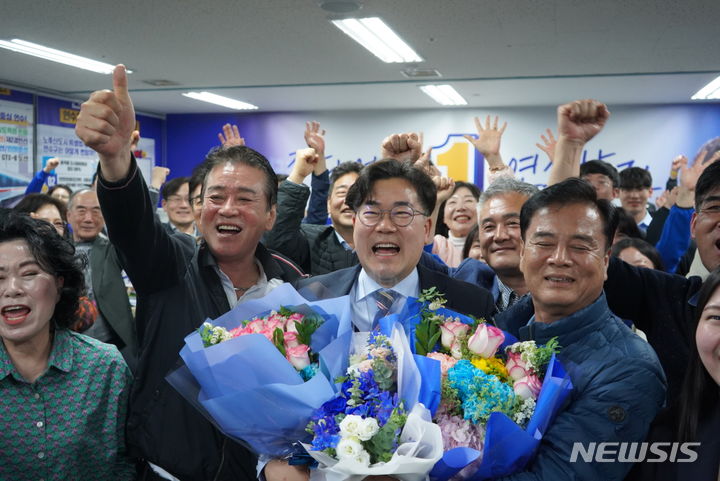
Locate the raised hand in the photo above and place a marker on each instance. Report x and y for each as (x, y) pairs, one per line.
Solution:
(677, 163)
(581, 120)
(489, 137)
(51, 165)
(305, 161)
(548, 145)
(445, 186)
(405, 147)
(667, 199)
(425, 164)
(106, 123)
(159, 174)
(315, 139)
(232, 136)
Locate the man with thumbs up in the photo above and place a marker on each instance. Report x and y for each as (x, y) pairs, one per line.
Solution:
(180, 284)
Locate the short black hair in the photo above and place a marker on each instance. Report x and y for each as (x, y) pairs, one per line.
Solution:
(392, 169)
(34, 202)
(568, 192)
(708, 181)
(343, 168)
(54, 255)
(172, 186)
(470, 240)
(241, 154)
(61, 186)
(645, 248)
(635, 178)
(603, 168)
(197, 177)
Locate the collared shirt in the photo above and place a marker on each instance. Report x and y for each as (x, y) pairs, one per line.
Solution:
(645, 223)
(261, 288)
(70, 423)
(506, 296)
(364, 307)
(342, 241)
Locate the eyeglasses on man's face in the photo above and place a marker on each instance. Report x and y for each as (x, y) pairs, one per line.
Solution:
(400, 216)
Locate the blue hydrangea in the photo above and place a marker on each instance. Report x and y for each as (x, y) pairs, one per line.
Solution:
(480, 394)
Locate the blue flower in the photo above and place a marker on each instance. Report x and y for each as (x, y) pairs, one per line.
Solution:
(325, 441)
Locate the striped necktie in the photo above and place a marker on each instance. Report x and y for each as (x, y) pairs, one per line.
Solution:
(384, 299)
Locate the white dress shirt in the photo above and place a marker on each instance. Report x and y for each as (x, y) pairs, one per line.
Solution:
(364, 306)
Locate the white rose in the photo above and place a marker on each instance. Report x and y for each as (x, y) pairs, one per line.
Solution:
(363, 458)
(349, 448)
(368, 429)
(350, 425)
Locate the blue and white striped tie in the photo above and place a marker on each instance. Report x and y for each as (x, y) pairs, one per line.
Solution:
(384, 299)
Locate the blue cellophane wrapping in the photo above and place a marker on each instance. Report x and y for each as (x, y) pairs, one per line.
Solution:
(247, 388)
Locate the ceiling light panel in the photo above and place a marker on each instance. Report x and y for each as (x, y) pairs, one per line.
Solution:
(220, 100)
(443, 94)
(709, 92)
(373, 34)
(47, 53)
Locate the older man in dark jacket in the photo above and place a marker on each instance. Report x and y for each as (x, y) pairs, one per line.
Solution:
(180, 284)
(619, 385)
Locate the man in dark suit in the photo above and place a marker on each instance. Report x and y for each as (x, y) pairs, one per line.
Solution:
(392, 202)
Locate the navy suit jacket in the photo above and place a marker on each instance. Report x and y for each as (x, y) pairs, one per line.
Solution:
(461, 296)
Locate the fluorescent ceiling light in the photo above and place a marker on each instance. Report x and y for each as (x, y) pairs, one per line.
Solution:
(373, 34)
(220, 100)
(710, 91)
(47, 53)
(443, 94)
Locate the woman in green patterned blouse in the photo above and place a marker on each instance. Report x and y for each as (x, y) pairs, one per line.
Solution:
(63, 395)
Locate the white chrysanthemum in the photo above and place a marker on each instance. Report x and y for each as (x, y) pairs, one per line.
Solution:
(368, 429)
(350, 425)
(349, 448)
(435, 305)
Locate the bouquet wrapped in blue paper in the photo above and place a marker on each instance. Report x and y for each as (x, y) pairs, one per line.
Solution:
(259, 371)
(377, 424)
(495, 397)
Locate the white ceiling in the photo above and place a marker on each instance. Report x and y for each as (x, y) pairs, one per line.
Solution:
(284, 55)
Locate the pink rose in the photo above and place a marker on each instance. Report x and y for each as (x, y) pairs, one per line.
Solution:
(274, 323)
(268, 334)
(515, 366)
(446, 362)
(528, 387)
(296, 316)
(486, 341)
(290, 325)
(290, 339)
(255, 326)
(239, 331)
(450, 331)
(456, 349)
(298, 356)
